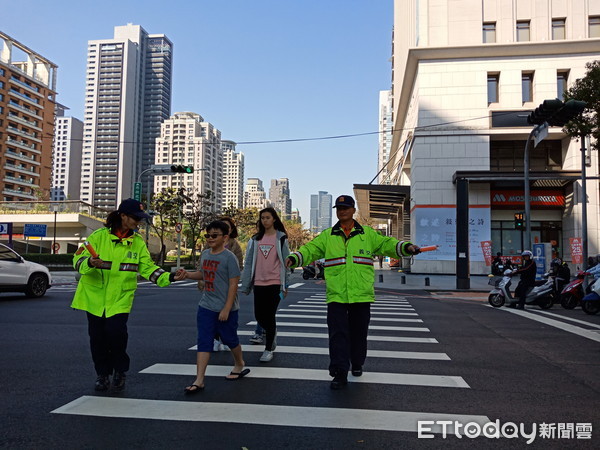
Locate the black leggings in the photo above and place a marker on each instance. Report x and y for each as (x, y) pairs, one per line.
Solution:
(266, 301)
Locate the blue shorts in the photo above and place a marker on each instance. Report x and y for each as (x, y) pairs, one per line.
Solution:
(209, 325)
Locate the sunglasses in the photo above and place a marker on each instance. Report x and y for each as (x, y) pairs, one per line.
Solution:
(212, 235)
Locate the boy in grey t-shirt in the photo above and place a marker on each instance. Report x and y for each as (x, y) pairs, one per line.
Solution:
(218, 307)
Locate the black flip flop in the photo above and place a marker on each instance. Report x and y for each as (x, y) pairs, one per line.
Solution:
(241, 374)
(192, 389)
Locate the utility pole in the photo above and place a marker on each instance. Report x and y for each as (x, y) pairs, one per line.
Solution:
(584, 231)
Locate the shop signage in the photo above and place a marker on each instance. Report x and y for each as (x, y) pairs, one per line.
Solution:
(576, 250)
(546, 197)
(486, 248)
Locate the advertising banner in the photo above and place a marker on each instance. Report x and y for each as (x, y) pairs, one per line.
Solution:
(576, 250)
(486, 248)
(437, 226)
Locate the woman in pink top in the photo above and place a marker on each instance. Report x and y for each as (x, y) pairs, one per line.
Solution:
(265, 272)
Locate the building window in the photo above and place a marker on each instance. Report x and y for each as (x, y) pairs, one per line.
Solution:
(558, 29)
(493, 80)
(594, 27)
(523, 31)
(527, 86)
(489, 32)
(562, 77)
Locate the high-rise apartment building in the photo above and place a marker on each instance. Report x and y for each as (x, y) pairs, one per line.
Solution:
(233, 176)
(279, 196)
(254, 194)
(186, 139)
(385, 135)
(66, 157)
(320, 211)
(127, 96)
(27, 102)
(466, 74)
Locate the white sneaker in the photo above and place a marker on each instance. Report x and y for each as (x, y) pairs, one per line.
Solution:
(224, 348)
(216, 345)
(256, 339)
(266, 356)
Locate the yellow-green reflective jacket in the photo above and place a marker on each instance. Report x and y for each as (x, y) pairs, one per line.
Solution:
(349, 272)
(109, 290)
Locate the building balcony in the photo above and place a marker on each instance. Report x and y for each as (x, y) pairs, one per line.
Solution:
(22, 84)
(21, 181)
(13, 116)
(24, 134)
(32, 112)
(33, 101)
(22, 157)
(23, 145)
(19, 193)
(20, 169)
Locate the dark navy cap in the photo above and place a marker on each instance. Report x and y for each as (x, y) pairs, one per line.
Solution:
(134, 208)
(344, 200)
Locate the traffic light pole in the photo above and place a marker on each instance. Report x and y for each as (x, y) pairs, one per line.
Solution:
(526, 195)
(584, 233)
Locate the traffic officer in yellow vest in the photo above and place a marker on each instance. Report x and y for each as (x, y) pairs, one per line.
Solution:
(348, 249)
(107, 287)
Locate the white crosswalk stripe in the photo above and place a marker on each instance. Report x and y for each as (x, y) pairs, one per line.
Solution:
(312, 314)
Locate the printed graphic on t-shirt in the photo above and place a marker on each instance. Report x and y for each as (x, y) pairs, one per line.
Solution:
(209, 269)
(265, 249)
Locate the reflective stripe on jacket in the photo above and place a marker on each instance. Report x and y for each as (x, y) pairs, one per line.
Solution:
(349, 272)
(110, 289)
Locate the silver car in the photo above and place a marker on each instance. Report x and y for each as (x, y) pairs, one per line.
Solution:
(19, 275)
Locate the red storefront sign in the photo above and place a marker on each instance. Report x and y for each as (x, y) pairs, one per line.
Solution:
(545, 197)
(576, 250)
(486, 248)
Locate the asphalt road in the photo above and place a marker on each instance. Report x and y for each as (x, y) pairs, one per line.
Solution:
(432, 357)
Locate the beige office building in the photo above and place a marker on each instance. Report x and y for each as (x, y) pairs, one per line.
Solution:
(466, 74)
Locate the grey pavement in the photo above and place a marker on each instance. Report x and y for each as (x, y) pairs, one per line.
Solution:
(392, 279)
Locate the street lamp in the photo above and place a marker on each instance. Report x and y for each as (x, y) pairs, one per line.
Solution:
(54, 249)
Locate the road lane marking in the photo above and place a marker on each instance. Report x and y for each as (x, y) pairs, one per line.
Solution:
(375, 338)
(372, 312)
(295, 285)
(285, 373)
(378, 319)
(430, 356)
(570, 319)
(295, 416)
(324, 325)
(389, 305)
(589, 334)
(380, 308)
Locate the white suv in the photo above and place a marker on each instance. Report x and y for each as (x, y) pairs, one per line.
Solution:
(18, 275)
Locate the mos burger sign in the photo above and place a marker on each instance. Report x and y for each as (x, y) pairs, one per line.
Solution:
(547, 197)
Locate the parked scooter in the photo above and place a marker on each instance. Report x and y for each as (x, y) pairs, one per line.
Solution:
(314, 271)
(542, 295)
(572, 293)
(591, 302)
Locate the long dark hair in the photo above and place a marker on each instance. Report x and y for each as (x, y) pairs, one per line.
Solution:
(277, 224)
(233, 231)
(114, 221)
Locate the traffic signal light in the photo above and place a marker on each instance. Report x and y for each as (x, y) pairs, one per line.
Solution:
(182, 169)
(555, 112)
(519, 221)
(569, 110)
(544, 112)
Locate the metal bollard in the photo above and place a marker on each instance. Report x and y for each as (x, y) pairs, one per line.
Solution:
(380, 278)
(402, 279)
(427, 281)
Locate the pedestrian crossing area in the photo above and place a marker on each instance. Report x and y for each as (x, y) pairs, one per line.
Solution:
(397, 334)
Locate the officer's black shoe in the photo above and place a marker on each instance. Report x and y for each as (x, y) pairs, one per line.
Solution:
(102, 383)
(338, 382)
(356, 370)
(118, 381)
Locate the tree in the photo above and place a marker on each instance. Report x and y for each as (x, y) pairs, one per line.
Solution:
(296, 233)
(245, 220)
(165, 206)
(197, 215)
(586, 89)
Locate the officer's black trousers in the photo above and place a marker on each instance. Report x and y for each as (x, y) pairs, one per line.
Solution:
(348, 325)
(108, 342)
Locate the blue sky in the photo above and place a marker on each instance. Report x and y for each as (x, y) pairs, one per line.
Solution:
(258, 70)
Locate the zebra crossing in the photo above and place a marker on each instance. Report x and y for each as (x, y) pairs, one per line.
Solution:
(394, 322)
